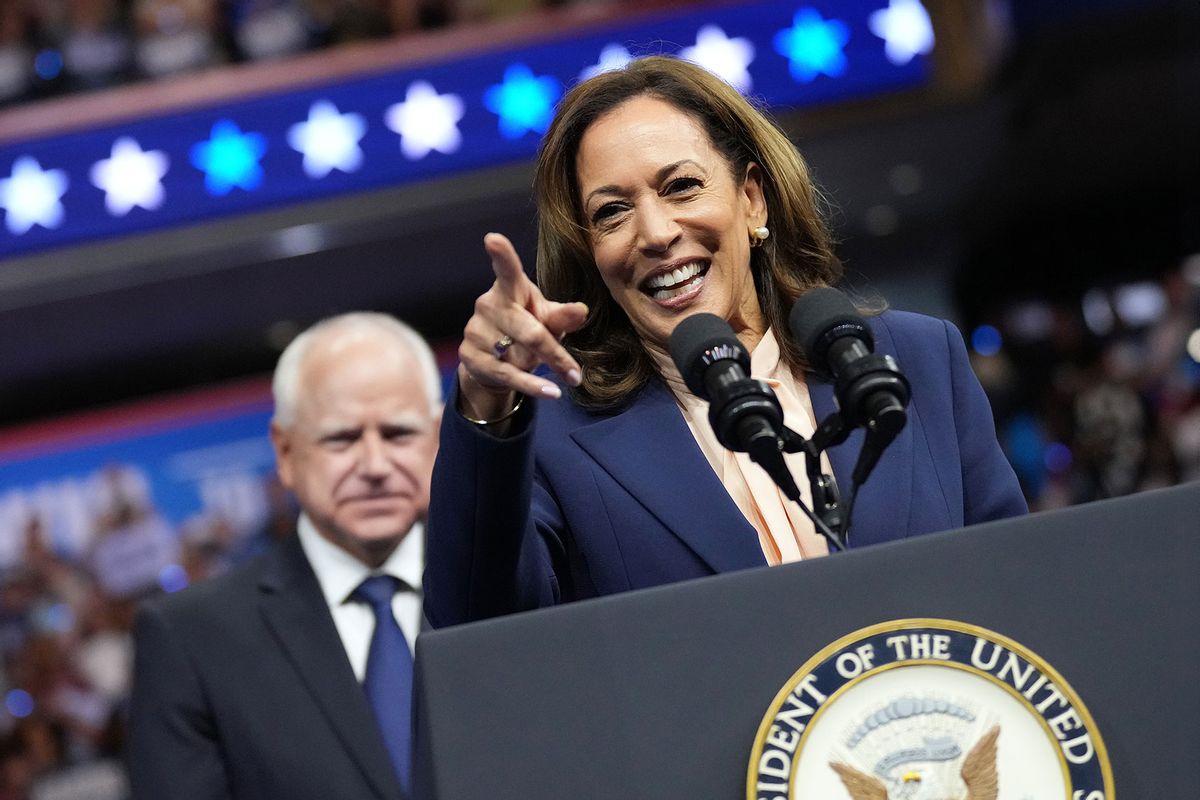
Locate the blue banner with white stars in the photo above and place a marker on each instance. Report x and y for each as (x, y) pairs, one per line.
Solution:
(430, 120)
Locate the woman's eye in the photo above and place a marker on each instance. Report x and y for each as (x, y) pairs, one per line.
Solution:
(682, 184)
(605, 212)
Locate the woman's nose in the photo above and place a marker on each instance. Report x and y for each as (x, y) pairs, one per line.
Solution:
(657, 228)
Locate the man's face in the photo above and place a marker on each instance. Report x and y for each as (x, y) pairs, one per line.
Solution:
(359, 452)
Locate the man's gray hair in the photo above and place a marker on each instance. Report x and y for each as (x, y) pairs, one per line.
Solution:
(285, 385)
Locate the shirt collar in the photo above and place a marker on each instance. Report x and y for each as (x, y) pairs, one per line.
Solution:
(340, 573)
(764, 360)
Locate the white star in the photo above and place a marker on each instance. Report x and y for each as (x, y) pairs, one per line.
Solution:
(729, 59)
(31, 196)
(426, 121)
(328, 140)
(905, 28)
(613, 56)
(130, 177)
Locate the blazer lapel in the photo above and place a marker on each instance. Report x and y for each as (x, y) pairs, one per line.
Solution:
(652, 454)
(295, 611)
(883, 505)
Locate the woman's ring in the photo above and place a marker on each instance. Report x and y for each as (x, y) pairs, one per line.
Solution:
(502, 344)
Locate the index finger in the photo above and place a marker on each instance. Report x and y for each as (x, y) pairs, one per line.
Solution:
(506, 264)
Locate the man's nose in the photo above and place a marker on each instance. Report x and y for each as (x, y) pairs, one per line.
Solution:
(373, 460)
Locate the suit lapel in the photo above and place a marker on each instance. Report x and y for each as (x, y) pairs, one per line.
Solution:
(642, 451)
(883, 505)
(652, 454)
(295, 611)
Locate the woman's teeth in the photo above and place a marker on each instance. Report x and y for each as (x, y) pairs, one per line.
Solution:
(676, 282)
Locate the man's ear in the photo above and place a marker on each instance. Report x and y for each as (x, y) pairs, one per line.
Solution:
(281, 442)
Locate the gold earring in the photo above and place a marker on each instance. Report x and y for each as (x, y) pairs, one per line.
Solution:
(759, 235)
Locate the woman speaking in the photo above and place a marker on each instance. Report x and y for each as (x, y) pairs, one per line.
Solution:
(661, 193)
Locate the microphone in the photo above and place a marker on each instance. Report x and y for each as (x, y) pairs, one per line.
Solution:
(744, 412)
(871, 390)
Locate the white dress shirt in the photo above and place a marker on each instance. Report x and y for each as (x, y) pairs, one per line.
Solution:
(340, 573)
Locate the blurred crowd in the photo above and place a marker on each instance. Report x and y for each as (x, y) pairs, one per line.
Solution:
(1101, 397)
(66, 610)
(52, 47)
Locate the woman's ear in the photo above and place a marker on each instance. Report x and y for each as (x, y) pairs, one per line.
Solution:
(754, 197)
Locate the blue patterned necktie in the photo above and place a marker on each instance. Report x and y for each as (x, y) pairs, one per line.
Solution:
(389, 678)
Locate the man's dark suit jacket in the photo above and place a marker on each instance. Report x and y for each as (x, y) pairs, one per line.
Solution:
(242, 690)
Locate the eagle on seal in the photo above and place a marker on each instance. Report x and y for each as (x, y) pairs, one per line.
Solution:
(978, 773)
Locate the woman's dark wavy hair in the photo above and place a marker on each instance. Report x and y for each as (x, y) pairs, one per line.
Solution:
(797, 257)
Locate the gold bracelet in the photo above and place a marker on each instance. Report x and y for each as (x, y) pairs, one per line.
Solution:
(486, 422)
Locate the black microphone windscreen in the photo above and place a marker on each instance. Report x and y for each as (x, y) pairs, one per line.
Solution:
(699, 341)
(819, 317)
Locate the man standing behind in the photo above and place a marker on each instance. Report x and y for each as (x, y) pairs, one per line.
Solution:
(290, 677)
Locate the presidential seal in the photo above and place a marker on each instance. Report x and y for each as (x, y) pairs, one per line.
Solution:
(927, 709)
